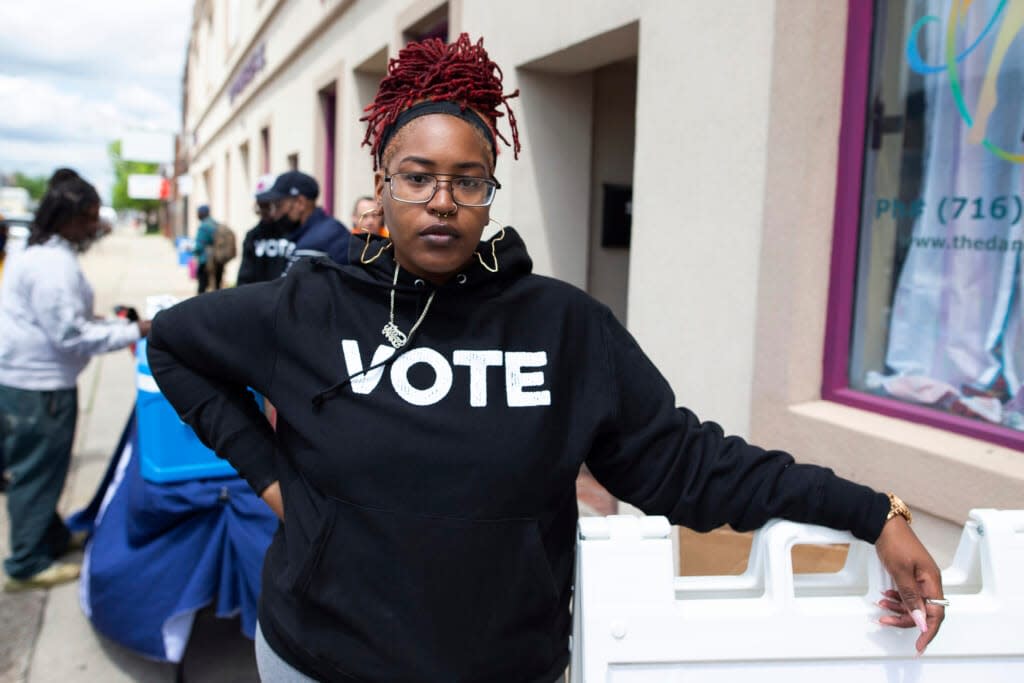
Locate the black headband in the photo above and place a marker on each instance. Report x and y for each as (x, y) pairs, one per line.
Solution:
(424, 108)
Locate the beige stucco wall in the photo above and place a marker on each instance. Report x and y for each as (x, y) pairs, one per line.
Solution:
(937, 472)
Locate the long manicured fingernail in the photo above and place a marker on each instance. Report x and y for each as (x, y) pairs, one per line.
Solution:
(918, 617)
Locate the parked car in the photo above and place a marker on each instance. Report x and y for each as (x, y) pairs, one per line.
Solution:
(15, 230)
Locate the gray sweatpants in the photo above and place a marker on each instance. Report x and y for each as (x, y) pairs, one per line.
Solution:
(272, 668)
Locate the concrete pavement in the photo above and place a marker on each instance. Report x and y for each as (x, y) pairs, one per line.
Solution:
(44, 636)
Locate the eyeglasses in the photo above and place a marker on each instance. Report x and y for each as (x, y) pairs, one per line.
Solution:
(420, 188)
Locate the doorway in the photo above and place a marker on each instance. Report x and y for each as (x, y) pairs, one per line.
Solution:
(328, 121)
(580, 107)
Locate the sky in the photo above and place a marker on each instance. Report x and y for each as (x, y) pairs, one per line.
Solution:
(76, 75)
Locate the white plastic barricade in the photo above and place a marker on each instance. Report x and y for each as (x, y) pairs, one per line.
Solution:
(636, 622)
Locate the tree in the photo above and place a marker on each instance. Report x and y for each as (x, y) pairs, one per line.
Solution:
(36, 185)
(119, 198)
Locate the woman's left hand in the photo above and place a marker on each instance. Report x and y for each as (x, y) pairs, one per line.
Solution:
(916, 577)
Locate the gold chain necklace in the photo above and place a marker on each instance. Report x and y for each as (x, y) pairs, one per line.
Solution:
(395, 336)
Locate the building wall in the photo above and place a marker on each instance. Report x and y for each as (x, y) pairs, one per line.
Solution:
(701, 235)
(733, 161)
(942, 475)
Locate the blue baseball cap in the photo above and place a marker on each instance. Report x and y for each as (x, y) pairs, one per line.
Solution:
(291, 184)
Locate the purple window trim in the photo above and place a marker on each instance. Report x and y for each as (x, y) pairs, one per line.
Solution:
(1004, 436)
(835, 376)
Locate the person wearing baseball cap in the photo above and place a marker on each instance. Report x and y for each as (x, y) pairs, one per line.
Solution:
(266, 247)
(292, 199)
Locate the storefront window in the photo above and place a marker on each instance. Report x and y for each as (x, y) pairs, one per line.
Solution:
(937, 294)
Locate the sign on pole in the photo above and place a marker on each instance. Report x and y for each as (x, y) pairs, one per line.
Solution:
(147, 186)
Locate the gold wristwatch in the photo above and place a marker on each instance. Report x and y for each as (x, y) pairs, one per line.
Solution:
(898, 507)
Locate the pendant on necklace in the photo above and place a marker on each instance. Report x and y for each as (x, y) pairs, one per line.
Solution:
(394, 335)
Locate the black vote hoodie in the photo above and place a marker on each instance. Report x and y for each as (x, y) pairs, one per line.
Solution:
(430, 503)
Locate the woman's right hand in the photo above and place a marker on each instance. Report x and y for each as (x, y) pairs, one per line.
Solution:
(272, 497)
(144, 326)
(916, 576)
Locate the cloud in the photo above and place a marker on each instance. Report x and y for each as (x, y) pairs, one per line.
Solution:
(35, 109)
(42, 157)
(137, 101)
(101, 39)
(78, 75)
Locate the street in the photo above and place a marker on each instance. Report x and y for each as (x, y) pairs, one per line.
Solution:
(44, 635)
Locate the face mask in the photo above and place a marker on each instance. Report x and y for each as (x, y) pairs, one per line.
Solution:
(284, 225)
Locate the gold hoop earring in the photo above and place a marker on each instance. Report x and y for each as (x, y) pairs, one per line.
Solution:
(362, 257)
(494, 252)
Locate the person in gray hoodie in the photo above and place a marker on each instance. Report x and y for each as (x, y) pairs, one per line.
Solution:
(49, 333)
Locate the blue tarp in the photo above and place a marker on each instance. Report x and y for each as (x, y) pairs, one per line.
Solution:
(160, 552)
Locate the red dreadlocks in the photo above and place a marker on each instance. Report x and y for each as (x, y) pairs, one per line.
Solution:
(429, 70)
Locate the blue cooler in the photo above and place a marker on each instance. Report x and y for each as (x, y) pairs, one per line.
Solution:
(184, 246)
(169, 449)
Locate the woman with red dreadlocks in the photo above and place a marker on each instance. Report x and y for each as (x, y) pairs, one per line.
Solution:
(435, 402)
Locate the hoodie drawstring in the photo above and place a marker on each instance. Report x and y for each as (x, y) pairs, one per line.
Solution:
(330, 392)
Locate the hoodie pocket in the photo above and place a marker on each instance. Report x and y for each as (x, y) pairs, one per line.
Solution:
(399, 596)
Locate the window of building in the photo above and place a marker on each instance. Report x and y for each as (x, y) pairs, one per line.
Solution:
(234, 20)
(225, 210)
(265, 150)
(926, 318)
(432, 25)
(243, 163)
(328, 101)
(209, 62)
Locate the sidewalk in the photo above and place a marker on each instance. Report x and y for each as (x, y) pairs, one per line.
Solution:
(44, 636)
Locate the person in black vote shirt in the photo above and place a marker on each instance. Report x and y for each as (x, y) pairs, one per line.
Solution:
(436, 400)
(266, 247)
